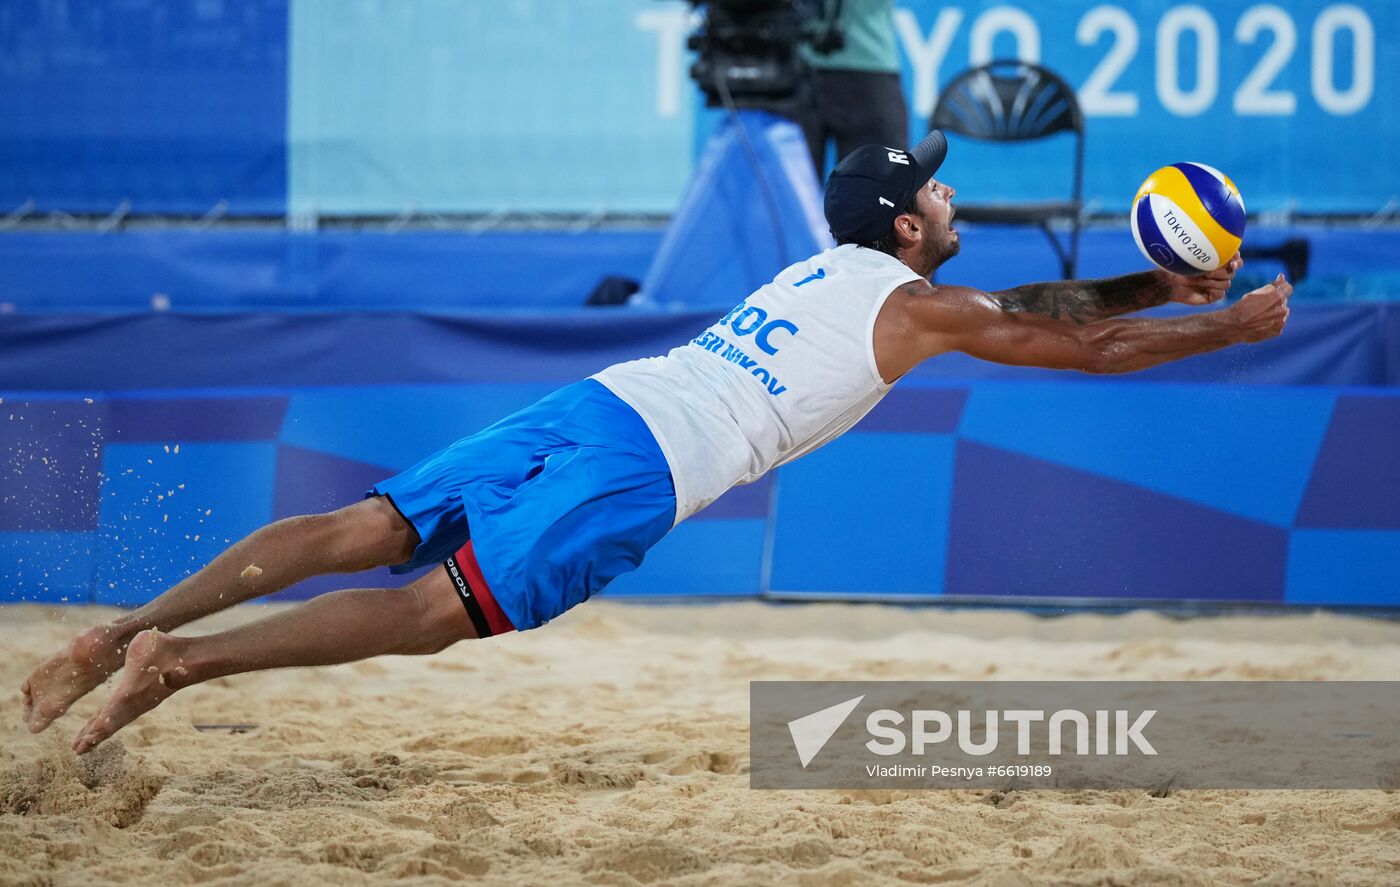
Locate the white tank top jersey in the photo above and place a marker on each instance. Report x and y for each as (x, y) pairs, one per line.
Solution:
(789, 369)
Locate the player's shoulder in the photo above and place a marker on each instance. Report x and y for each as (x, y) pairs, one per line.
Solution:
(940, 310)
(923, 294)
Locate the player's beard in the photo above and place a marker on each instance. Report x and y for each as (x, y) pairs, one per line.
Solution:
(946, 247)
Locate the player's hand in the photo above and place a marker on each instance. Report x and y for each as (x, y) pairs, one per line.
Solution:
(1204, 289)
(1261, 314)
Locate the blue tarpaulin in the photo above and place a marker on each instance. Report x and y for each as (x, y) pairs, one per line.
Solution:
(1325, 345)
(274, 269)
(754, 206)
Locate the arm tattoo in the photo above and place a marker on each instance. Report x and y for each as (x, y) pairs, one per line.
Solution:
(1085, 301)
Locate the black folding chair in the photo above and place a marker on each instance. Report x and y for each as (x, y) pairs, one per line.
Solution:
(1009, 100)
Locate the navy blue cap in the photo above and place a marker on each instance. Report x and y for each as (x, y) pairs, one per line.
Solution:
(872, 184)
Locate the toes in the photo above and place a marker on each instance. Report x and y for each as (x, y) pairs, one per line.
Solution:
(35, 718)
(92, 733)
(40, 718)
(80, 742)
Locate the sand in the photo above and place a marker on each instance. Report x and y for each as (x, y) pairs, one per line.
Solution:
(611, 748)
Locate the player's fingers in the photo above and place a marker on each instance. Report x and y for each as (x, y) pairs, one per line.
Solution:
(1261, 299)
(1227, 270)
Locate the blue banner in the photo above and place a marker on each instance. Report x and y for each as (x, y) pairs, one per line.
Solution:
(1289, 99)
(587, 105)
(227, 269)
(1345, 345)
(472, 106)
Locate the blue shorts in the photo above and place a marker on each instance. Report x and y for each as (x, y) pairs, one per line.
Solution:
(554, 502)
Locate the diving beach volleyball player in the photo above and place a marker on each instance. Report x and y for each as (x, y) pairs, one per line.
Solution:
(538, 512)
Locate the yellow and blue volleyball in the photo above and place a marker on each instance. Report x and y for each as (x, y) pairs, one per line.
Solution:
(1188, 218)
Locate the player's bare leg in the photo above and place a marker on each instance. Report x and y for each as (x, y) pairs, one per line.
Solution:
(367, 534)
(342, 626)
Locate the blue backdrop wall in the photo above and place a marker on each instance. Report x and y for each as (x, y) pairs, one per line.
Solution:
(324, 107)
(1266, 474)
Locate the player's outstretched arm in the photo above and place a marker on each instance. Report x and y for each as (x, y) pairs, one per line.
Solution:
(925, 320)
(1088, 301)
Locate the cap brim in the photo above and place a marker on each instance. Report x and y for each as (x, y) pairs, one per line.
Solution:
(929, 154)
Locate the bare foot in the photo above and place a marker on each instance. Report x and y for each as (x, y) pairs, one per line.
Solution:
(153, 672)
(88, 660)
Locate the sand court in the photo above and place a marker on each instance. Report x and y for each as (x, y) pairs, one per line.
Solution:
(612, 748)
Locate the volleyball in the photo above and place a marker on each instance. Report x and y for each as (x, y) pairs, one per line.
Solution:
(1188, 218)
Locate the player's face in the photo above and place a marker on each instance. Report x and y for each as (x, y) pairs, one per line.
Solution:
(941, 241)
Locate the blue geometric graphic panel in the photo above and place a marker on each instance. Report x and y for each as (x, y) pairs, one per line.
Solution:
(713, 557)
(1142, 492)
(911, 407)
(745, 501)
(46, 567)
(169, 509)
(398, 426)
(1243, 449)
(1024, 527)
(170, 416)
(866, 513)
(1344, 567)
(49, 463)
(1356, 481)
(379, 577)
(311, 482)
